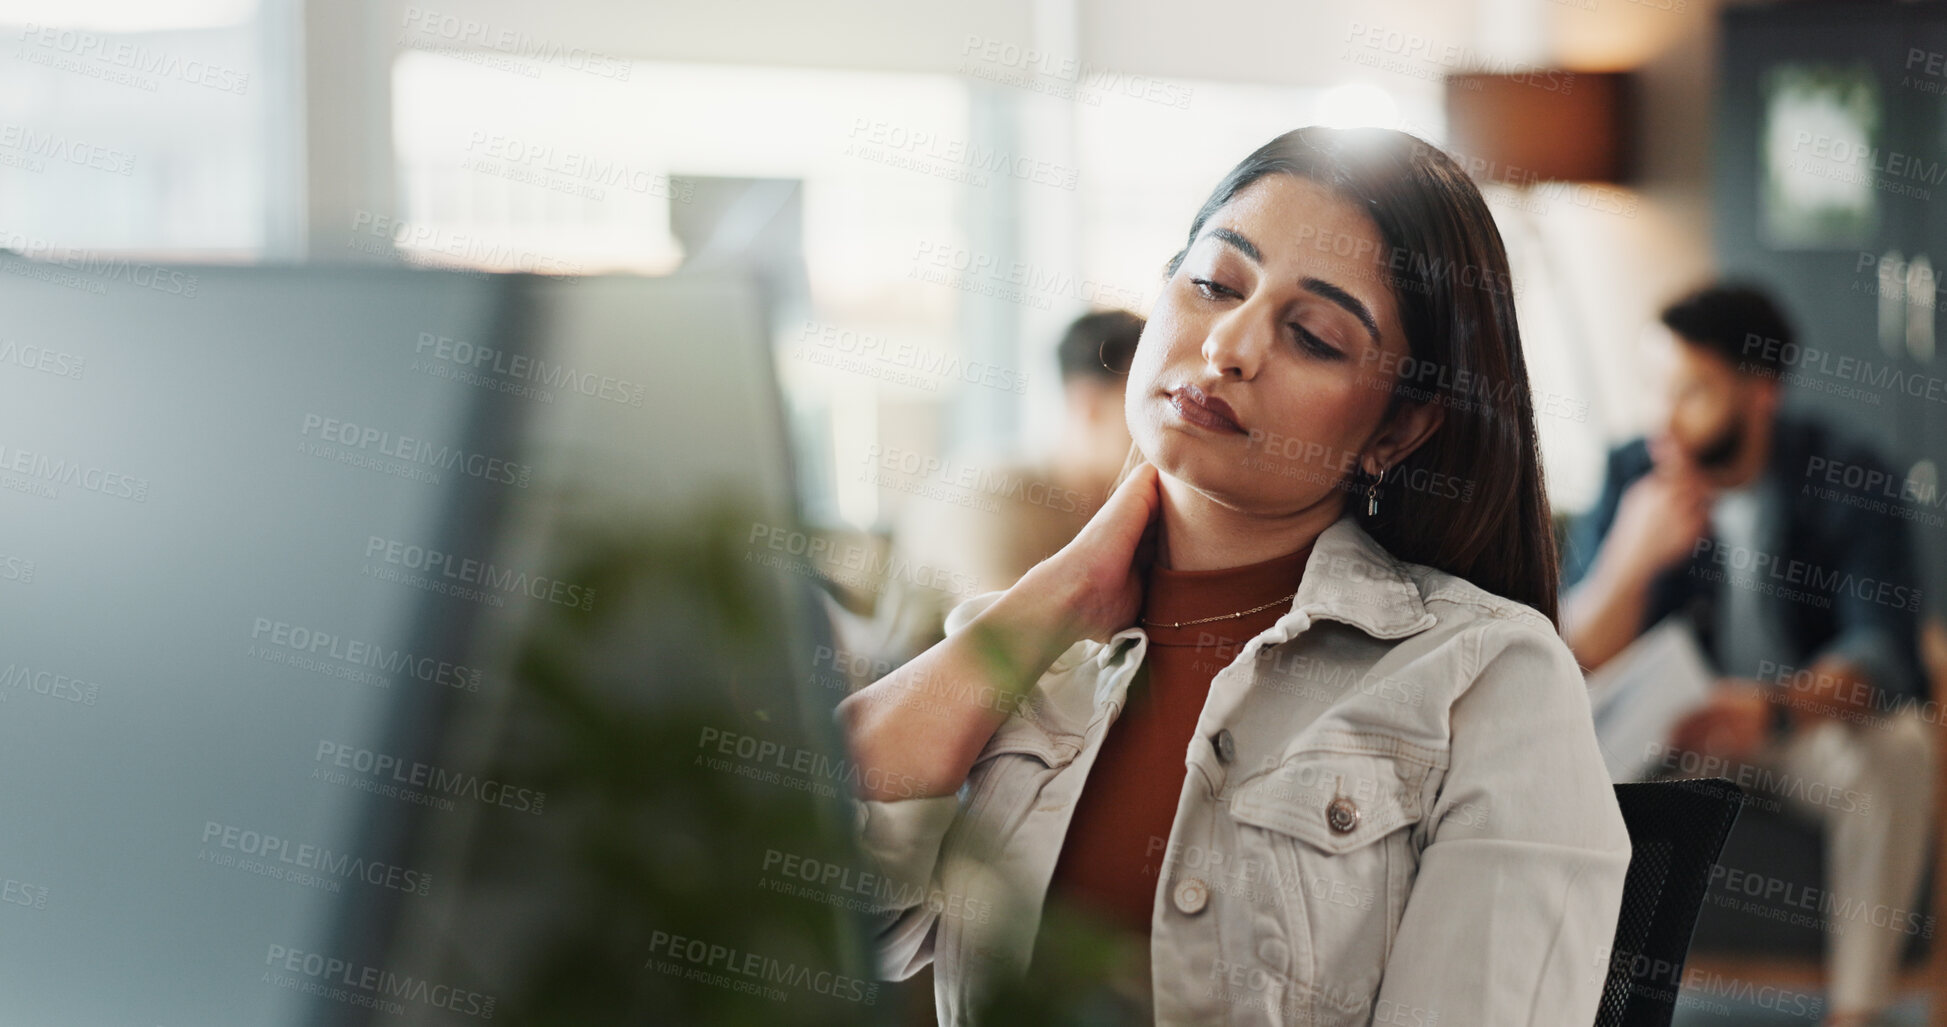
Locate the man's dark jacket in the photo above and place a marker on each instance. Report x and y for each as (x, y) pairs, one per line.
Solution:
(1847, 546)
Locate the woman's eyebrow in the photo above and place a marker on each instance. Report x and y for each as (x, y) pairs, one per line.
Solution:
(1247, 247)
(1327, 290)
(1316, 286)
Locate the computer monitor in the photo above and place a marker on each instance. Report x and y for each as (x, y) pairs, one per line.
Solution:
(357, 630)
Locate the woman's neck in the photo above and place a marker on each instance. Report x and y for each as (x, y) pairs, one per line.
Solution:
(1199, 533)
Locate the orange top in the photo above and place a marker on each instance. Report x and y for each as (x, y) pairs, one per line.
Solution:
(1116, 840)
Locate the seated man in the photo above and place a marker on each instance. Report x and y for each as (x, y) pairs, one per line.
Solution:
(1806, 603)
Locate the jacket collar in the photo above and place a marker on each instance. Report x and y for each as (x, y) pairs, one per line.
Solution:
(1352, 579)
(1349, 578)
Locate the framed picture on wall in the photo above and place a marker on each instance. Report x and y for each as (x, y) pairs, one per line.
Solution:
(1819, 186)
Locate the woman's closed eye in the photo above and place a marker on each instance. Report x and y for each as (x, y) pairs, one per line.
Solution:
(1318, 346)
(1310, 340)
(1211, 290)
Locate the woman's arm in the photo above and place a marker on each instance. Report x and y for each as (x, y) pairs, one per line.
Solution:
(1535, 881)
(927, 721)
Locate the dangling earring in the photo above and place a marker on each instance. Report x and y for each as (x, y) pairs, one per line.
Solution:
(1372, 494)
(1104, 362)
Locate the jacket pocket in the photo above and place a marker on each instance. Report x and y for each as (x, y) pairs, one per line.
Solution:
(1008, 774)
(1025, 732)
(1334, 801)
(1336, 823)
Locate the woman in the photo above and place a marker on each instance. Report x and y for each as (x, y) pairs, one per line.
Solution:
(1293, 703)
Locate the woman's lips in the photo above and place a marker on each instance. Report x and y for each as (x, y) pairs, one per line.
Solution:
(1207, 411)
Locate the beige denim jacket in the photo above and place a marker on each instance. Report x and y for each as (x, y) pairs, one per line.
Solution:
(1395, 813)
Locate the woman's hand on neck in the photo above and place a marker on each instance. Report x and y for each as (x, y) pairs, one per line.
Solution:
(1201, 532)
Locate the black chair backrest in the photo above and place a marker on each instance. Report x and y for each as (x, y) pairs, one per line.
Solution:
(1676, 829)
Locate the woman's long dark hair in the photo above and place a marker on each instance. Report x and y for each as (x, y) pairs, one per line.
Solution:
(1470, 500)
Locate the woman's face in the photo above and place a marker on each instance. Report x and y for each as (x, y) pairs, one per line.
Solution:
(1281, 312)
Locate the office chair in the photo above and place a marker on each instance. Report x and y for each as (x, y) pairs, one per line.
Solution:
(1676, 829)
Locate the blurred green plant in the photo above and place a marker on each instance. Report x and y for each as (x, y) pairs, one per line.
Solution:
(685, 743)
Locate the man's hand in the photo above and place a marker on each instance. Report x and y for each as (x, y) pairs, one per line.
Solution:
(1658, 522)
(1661, 516)
(1732, 725)
(1834, 687)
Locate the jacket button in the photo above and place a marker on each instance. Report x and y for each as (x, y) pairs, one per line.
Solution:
(1190, 895)
(1273, 951)
(1225, 745)
(1342, 814)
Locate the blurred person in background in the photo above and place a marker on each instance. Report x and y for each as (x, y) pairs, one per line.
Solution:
(1805, 604)
(1041, 506)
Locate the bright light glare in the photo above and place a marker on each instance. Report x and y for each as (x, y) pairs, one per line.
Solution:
(1358, 105)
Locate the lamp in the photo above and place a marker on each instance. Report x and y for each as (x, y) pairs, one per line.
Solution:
(1540, 125)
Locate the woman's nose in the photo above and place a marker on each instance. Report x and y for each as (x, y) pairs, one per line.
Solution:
(1237, 344)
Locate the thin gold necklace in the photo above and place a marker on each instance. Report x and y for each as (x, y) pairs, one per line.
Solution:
(1227, 616)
